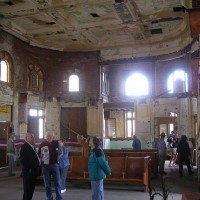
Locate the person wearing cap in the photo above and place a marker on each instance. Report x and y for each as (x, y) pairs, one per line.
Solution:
(162, 153)
(63, 165)
(11, 153)
(98, 168)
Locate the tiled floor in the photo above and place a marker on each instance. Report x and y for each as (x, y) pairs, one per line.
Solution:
(11, 188)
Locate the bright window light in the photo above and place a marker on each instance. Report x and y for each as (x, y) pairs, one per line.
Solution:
(4, 71)
(136, 85)
(40, 113)
(174, 77)
(73, 83)
(41, 128)
(33, 112)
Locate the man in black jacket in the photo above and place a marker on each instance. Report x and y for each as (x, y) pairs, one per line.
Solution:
(30, 166)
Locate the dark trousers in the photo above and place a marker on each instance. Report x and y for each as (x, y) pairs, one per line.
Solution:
(187, 162)
(29, 184)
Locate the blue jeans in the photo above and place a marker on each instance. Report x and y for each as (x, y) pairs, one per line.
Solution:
(63, 176)
(97, 190)
(11, 161)
(49, 170)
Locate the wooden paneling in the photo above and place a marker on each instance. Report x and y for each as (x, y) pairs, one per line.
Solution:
(4, 131)
(76, 120)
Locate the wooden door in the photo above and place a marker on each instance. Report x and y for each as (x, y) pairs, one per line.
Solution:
(73, 120)
(4, 131)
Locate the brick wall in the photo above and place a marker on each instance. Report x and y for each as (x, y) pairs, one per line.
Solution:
(54, 64)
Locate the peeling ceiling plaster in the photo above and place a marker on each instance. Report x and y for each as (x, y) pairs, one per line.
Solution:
(117, 28)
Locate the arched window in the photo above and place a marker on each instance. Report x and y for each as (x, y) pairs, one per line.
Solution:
(177, 82)
(35, 78)
(6, 68)
(136, 85)
(73, 83)
(4, 71)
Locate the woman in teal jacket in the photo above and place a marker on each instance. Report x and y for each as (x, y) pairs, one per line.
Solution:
(98, 168)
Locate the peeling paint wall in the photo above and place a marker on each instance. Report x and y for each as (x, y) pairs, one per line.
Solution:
(184, 117)
(120, 125)
(92, 121)
(143, 125)
(163, 107)
(52, 118)
(57, 65)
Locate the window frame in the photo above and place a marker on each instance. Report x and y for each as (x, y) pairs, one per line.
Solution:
(34, 70)
(132, 119)
(4, 56)
(78, 84)
(39, 116)
(184, 80)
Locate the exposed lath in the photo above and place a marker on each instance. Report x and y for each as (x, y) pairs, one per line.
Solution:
(117, 28)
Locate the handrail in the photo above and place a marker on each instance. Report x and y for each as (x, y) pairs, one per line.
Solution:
(71, 130)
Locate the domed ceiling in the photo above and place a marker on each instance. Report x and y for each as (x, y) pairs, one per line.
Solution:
(116, 28)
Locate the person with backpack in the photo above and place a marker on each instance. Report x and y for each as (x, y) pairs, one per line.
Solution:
(173, 142)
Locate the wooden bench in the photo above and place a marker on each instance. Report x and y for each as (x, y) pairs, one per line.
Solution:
(124, 170)
(153, 153)
(118, 167)
(137, 170)
(78, 168)
(129, 170)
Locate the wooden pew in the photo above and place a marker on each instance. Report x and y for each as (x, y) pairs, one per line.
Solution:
(137, 170)
(129, 170)
(75, 153)
(118, 167)
(78, 168)
(124, 170)
(153, 153)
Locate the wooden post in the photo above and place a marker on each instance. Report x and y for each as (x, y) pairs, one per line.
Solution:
(69, 131)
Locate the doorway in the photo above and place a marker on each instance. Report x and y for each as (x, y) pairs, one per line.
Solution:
(73, 120)
(4, 131)
(166, 125)
(36, 123)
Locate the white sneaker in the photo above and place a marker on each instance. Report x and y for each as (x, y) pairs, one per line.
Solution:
(174, 165)
(62, 191)
(170, 165)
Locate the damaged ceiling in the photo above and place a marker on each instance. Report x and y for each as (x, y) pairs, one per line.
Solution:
(117, 28)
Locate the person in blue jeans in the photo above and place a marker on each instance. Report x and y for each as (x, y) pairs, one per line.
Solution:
(49, 153)
(63, 165)
(98, 168)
